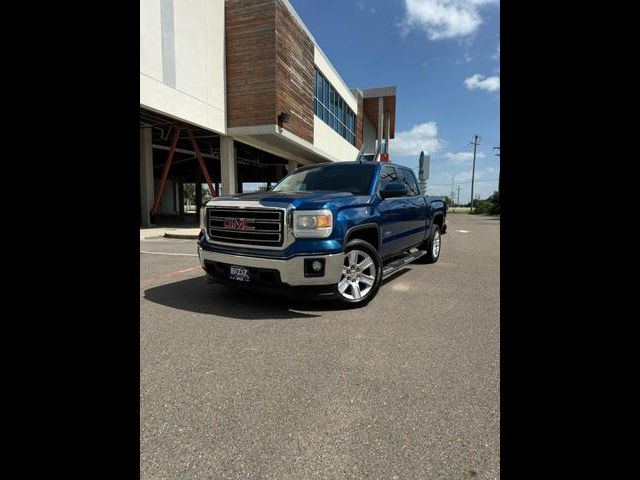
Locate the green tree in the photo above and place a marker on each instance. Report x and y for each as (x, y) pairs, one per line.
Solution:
(189, 193)
(488, 206)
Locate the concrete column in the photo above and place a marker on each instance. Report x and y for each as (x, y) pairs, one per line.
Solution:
(380, 122)
(146, 176)
(198, 195)
(279, 173)
(387, 130)
(228, 166)
(181, 197)
(292, 166)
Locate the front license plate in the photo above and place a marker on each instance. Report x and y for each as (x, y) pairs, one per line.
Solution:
(239, 273)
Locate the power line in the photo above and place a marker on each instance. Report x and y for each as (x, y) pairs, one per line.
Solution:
(467, 181)
(465, 149)
(442, 159)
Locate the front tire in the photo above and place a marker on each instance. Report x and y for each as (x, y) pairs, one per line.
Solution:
(361, 274)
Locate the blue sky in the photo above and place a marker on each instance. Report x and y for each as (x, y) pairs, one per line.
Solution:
(444, 58)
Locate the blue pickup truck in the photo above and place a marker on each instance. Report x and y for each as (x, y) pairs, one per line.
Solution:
(331, 229)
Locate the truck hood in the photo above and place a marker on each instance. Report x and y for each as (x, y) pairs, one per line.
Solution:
(298, 200)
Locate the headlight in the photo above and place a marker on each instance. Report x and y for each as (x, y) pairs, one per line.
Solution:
(203, 217)
(312, 223)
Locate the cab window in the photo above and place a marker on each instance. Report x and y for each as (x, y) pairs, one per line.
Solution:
(387, 175)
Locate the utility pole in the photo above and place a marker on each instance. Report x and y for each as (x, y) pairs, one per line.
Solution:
(473, 172)
(498, 155)
(458, 202)
(452, 192)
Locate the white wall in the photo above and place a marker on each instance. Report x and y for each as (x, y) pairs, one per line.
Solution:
(329, 141)
(182, 60)
(168, 200)
(369, 136)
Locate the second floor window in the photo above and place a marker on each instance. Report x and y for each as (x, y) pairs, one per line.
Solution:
(332, 109)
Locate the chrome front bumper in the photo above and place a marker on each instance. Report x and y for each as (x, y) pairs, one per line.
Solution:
(291, 270)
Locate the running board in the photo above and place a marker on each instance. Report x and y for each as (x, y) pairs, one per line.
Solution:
(396, 265)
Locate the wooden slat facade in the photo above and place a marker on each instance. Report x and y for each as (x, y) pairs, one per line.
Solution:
(294, 73)
(388, 105)
(269, 67)
(250, 44)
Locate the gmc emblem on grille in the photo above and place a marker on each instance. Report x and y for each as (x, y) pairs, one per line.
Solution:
(238, 223)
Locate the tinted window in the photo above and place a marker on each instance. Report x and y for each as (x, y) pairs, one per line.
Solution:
(387, 175)
(410, 180)
(333, 110)
(355, 179)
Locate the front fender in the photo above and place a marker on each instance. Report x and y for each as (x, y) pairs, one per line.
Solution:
(353, 218)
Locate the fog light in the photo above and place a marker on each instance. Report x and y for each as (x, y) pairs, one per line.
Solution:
(314, 267)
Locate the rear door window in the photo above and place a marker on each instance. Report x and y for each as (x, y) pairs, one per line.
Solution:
(410, 180)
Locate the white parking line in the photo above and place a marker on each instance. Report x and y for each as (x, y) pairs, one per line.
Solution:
(169, 253)
(462, 231)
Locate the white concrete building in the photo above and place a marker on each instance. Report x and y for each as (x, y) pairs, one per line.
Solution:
(238, 91)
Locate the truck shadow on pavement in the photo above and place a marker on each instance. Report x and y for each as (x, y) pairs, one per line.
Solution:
(198, 296)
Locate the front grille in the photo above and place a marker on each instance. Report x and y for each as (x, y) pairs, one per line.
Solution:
(246, 226)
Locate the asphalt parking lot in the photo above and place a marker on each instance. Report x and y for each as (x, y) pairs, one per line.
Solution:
(238, 385)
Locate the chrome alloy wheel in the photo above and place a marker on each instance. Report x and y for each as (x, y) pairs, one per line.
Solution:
(435, 244)
(358, 275)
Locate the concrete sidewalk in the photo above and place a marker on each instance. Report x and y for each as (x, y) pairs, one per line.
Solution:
(169, 232)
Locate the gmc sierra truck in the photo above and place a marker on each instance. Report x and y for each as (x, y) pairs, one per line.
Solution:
(331, 229)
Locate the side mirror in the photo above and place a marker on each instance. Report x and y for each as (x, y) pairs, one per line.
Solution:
(393, 190)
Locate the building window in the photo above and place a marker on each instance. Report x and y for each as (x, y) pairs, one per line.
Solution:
(332, 109)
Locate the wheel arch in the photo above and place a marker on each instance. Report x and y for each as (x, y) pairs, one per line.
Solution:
(369, 232)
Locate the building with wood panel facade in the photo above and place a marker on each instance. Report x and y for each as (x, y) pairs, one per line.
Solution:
(237, 92)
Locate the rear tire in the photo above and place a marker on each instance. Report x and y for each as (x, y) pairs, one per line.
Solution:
(361, 274)
(433, 246)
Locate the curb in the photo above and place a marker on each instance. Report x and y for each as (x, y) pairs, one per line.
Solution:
(184, 236)
(147, 237)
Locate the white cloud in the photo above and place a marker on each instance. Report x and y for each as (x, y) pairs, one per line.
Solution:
(362, 7)
(442, 19)
(486, 182)
(462, 157)
(466, 58)
(496, 56)
(477, 81)
(421, 137)
(485, 173)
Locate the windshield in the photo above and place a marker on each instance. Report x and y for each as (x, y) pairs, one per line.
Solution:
(351, 178)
